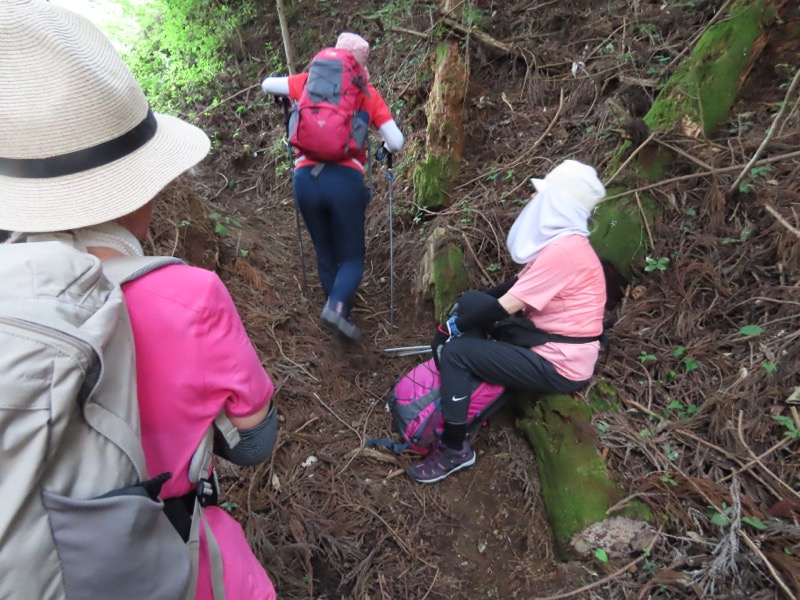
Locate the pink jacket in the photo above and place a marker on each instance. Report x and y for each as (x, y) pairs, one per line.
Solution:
(194, 358)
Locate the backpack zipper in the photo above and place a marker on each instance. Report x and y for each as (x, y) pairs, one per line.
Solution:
(85, 348)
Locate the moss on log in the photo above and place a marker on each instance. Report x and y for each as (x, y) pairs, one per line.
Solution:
(619, 235)
(443, 275)
(444, 140)
(701, 92)
(576, 487)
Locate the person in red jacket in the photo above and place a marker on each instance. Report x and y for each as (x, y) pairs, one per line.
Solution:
(333, 200)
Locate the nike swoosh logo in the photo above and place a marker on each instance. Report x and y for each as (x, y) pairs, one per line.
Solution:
(459, 399)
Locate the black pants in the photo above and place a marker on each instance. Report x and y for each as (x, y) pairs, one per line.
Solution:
(468, 357)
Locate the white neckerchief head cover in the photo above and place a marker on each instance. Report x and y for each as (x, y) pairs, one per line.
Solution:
(565, 199)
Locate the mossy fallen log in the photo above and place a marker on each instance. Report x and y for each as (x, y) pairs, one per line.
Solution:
(576, 487)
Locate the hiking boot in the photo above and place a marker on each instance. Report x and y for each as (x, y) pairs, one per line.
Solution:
(336, 321)
(441, 462)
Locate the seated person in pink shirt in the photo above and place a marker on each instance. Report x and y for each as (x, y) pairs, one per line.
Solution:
(546, 322)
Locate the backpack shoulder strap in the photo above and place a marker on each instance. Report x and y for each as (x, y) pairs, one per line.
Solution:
(127, 268)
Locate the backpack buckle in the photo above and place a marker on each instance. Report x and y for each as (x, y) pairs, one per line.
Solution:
(208, 491)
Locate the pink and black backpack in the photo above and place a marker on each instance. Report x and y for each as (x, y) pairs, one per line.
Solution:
(414, 404)
(328, 123)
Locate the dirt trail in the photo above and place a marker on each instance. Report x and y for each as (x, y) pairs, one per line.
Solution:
(330, 522)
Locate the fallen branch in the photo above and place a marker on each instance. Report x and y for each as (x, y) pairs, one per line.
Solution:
(763, 161)
(418, 34)
(483, 37)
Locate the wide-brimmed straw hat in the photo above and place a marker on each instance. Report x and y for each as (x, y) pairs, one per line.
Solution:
(78, 142)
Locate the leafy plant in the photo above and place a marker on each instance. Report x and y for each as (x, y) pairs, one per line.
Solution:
(754, 522)
(683, 411)
(180, 50)
(791, 430)
(601, 555)
(223, 224)
(647, 357)
(755, 174)
(721, 519)
(656, 264)
(751, 330)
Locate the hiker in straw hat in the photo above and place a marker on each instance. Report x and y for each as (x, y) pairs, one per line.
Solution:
(545, 323)
(82, 160)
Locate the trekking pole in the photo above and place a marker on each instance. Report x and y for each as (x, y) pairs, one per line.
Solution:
(390, 177)
(283, 101)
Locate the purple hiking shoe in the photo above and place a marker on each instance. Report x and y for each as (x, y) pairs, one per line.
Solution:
(441, 462)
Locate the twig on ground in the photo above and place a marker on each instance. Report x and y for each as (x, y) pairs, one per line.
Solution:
(338, 418)
(477, 260)
(780, 481)
(773, 128)
(636, 151)
(644, 220)
(781, 220)
(435, 575)
(775, 576)
(609, 577)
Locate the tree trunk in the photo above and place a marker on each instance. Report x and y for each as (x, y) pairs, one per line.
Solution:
(442, 274)
(287, 44)
(444, 141)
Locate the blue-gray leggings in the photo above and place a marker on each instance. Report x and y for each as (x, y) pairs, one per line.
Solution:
(333, 205)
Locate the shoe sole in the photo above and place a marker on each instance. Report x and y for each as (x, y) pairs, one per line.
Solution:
(460, 467)
(331, 324)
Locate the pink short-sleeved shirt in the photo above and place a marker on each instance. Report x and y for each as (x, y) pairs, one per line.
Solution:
(194, 358)
(564, 292)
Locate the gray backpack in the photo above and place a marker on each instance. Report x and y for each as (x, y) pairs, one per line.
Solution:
(79, 516)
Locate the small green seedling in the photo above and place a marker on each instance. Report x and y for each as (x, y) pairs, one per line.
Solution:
(656, 264)
(647, 357)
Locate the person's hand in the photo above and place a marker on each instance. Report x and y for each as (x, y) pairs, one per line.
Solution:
(382, 153)
(439, 338)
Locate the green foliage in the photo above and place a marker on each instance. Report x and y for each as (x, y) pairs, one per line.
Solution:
(791, 430)
(656, 264)
(180, 53)
(601, 555)
(751, 330)
(222, 224)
